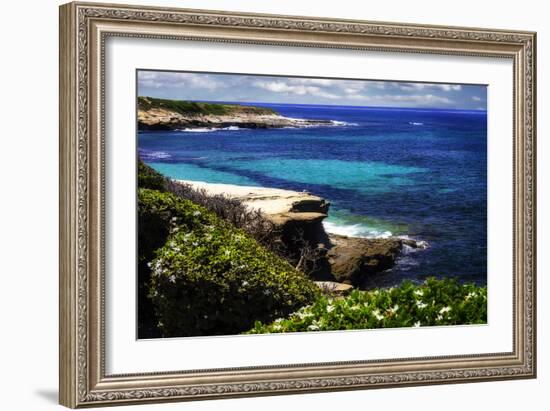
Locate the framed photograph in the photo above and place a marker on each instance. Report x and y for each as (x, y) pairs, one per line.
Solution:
(259, 204)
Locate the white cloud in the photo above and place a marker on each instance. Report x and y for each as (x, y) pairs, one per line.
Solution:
(426, 86)
(279, 86)
(418, 98)
(380, 85)
(308, 90)
(449, 87)
(409, 86)
(312, 81)
(178, 80)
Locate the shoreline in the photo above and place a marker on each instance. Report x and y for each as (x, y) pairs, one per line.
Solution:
(299, 214)
(160, 114)
(273, 200)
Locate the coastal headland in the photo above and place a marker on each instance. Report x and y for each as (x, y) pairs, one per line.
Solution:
(161, 114)
(340, 259)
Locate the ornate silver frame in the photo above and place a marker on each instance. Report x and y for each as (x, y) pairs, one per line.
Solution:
(83, 30)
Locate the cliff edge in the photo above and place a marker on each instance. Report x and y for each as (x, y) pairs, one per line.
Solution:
(164, 114)
(300, 215)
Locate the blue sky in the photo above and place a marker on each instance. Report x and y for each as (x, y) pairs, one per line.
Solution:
(301, 90)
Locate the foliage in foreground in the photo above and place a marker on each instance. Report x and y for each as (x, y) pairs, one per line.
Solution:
(435, 302)
(150, 178)
(157, 214)
(210, 278)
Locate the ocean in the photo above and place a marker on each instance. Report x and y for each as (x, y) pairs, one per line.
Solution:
(415, 173)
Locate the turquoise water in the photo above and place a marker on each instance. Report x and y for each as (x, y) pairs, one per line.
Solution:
(415, 173)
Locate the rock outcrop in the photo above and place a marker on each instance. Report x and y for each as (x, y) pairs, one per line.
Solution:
(295, 213)
(334, 288)
(351, 259)
(299, 216)
(160, 114)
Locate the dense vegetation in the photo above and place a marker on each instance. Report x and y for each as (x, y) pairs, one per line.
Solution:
(198, 108)
(227, 209)
(435, 302)
(206, 267)
(211, 278)
(149, 178)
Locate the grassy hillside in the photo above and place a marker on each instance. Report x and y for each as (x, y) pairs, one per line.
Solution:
(195, 108)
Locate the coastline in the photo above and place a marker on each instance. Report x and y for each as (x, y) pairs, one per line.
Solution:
(159, 114)
(346, 259)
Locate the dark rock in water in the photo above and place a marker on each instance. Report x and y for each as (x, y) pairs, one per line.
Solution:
(351, 258)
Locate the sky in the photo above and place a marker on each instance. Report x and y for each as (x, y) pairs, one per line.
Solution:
(302, 90)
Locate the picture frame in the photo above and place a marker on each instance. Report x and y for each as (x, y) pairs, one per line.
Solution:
(84, 30)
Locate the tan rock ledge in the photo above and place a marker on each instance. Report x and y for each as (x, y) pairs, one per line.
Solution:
(273, 202)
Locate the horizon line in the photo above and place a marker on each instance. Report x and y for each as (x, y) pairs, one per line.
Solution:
(329, 105)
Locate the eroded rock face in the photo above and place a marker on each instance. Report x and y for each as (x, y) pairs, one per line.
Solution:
(165, 119)
(295, 213)
(299, 217)
(352, 259)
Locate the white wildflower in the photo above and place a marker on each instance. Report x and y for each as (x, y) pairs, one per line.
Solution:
(439, 317)
(313, 327)
(172, 278)
(420, 293)
(196, 213)
(330, 308)
(417, 324)
(377, 315)
(277, 327)
(445, 310)
(470, 295)
(244, 283)
(394, 309)
(303, 314)
(421, 305)
(227, 253)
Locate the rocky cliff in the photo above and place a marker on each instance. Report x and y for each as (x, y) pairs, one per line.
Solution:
(162, 114)
(300, 216)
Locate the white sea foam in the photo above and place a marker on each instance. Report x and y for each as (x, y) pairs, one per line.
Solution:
(208, 129)
(154, 155)
(355, 230)
(342, 123)
(413, 123)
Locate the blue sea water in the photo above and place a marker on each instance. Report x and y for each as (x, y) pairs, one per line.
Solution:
(386, 171)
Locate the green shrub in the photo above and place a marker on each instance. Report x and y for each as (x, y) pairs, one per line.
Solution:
(435, 302)
(149, 178)
(210, 278)
(158, 214)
